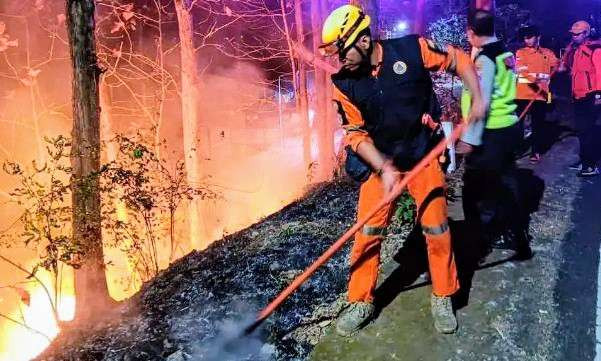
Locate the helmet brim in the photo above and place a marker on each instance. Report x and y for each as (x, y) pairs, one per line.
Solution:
(339, 45)
(329, 49)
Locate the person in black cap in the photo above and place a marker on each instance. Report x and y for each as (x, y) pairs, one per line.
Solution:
(535, 66)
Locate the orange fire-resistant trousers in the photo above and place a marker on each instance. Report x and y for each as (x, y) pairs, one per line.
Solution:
(428, 191)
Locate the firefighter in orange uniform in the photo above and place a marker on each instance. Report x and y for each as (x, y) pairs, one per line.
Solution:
(583, 59)
(383, 91)
(535, 66)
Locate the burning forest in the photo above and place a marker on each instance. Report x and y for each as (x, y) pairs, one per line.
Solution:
(185, 122)
(175, 175)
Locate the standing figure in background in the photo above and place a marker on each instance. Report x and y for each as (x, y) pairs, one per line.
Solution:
(583, 59)
(491, 198)
(535, 66)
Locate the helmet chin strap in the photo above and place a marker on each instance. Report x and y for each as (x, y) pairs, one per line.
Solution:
(365, 55)
(365, 64)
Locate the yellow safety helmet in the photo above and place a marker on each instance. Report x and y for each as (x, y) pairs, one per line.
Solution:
(341, 28)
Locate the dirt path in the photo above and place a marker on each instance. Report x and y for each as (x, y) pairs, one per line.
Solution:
(542, 309)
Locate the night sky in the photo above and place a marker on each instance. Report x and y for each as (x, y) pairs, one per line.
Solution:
(556, 16)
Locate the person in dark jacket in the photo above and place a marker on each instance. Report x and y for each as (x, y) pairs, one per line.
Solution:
(383, 91)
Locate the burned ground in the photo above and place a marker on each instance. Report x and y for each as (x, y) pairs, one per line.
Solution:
(508, 310)
(188, 305)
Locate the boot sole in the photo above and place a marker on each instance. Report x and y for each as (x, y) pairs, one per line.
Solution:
(446, 331)
(352, 332)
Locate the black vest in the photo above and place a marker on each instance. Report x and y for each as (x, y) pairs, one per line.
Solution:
(492, 50)
(392, 105)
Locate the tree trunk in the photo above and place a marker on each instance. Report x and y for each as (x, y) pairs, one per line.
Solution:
(303, 103)
(106, 129)
(288, 36)
(331, 122)
(90, 279)
(160, 108)
(483, 4)
(325, 143)
(190, 119)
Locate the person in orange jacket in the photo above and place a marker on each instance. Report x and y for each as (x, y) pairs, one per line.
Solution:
(382, 92)
(535, 65)
(583, 59)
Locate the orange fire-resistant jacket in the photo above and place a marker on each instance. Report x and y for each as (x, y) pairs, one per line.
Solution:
(586, 70)
(535, 67)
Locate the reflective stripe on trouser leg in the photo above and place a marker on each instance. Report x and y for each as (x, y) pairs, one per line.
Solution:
(373, 230)
(436, 230)
(365, 255)
(427, 188)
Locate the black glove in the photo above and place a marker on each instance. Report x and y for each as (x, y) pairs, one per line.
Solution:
(355, 166)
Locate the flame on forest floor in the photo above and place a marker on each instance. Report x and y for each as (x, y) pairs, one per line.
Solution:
(252, 185)
(20, 343)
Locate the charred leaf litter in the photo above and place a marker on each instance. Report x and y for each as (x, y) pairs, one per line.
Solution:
(197, 308)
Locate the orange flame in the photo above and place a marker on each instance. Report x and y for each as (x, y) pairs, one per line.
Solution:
(26, 341)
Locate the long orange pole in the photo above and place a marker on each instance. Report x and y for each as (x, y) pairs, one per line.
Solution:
(396, 192)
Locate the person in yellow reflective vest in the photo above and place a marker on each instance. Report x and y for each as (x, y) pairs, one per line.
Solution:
(491, 197)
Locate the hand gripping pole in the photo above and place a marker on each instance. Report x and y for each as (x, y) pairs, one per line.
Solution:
(394, 194)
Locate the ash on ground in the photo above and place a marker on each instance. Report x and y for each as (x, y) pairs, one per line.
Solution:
(196, 309)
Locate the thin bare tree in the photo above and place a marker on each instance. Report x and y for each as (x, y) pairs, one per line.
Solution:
(90, 278)
(190, 114)
(302, 96)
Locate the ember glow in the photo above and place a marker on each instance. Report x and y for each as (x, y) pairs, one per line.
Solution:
(250, 186)
(226, 103)
(215, 87)
(19, 343)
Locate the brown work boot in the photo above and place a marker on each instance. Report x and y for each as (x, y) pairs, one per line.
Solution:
(355, 317)
(442, 312)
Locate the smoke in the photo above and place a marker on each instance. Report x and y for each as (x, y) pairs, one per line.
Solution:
(251, 146)
(230, 342)
(252, 153)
